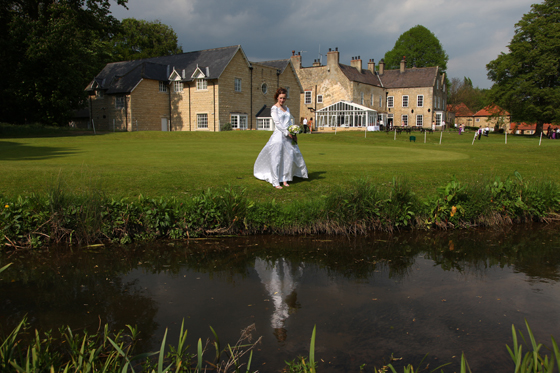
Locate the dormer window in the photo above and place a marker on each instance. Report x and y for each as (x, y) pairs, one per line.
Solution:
(177, 87)
(162, 87)
(201, 85)
(99, 94)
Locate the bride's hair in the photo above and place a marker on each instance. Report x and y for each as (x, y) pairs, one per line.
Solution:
(280, 91)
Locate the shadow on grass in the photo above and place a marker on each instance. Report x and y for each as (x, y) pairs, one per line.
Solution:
(13, 151)
(317, 175)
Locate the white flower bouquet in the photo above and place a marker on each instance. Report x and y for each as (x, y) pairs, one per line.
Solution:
(294, 130)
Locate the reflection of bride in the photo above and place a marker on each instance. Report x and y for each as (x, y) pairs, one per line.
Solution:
(280, 281)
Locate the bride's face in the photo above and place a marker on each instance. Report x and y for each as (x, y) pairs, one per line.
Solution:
(281, 98)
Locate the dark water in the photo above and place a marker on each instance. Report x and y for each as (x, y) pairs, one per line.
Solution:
(408, 294)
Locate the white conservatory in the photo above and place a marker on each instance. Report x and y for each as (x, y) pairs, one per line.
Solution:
(346, 114)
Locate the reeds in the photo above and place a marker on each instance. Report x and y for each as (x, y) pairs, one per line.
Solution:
(24, 352)
(363, 205)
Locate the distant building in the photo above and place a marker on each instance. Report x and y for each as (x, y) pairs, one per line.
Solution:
(194, 91)
(492, 116)
(413, 97)
(463, 115)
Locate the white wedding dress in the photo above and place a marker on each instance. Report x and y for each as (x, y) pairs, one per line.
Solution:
(280, 160)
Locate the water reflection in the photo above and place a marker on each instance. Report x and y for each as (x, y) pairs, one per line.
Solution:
(407, 294)
(280, 280)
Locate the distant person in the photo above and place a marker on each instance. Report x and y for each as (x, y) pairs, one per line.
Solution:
(310, 124)
(280, 159)
(304, 125)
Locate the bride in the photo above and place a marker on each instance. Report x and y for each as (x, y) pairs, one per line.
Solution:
(280, 159)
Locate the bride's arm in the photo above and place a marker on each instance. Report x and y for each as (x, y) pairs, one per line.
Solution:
(282, 127)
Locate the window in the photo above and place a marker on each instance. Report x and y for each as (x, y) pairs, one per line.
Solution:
(119, 102)
(201, 85)
(362, 98)
(380, 101)
(263, 123)
(438, 119)
(238, 121)
(404, 101)
(319, 99)
(177, 87)
(162, 87)
(390, 101)
(237, 85)
(202, 120)
(307, 97)
(420, 101)
(372, 100)
(99, 94)
(264, 88)
(405, 120)
(287, 92)
(419, 120)
(478, 119)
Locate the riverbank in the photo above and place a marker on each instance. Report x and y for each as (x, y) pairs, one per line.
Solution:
(362, 205)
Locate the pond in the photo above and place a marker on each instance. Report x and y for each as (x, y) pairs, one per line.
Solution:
(371, 297)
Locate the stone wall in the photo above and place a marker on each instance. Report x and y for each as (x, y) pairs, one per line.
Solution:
(148, 106)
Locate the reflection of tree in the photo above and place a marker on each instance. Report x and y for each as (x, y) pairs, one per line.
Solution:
(280, 280)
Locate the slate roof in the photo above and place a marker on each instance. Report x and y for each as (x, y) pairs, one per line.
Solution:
(491, 110)
(278, 64)
(366, 76)
(265, 112)
(410, 78)
(123, 77)
(460, 110)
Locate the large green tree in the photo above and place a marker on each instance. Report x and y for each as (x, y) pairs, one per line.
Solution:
(421, 48)
(50, 50)
(527, 79)
(143, 39)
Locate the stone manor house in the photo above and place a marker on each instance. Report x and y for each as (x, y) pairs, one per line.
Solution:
(204, 90)
(194, 91)
(349, 96)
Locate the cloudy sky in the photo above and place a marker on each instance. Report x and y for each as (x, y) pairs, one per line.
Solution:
(472, 32)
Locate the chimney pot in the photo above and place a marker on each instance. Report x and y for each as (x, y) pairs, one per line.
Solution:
(336, 49)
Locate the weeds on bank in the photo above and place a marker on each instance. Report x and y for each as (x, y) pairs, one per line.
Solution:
(105, 351)
(59, 216)
(24, 351)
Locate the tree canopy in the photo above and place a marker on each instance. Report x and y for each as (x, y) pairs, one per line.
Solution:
(51, 49)
(143, 39)
(527, 78)
(421, 48)
(462, 91)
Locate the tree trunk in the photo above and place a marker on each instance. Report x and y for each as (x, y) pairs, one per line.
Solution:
(539, 128)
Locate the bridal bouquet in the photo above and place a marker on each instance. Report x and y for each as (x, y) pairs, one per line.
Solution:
(294, 130)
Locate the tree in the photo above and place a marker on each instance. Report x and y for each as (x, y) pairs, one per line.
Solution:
(462, 91)
(50, 50)
(527, 79)
(142, 39)
(421, 48)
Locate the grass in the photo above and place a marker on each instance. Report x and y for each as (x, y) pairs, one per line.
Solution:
(160, 164)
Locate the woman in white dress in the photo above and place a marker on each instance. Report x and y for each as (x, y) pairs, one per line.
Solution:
(280, 159)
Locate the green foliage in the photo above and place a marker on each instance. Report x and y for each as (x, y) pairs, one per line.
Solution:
(421, 48)
(533, 361)
(24, 352)
(462, 91)
(226, 127)
(143, 39)
(50, 51)
(526, 78)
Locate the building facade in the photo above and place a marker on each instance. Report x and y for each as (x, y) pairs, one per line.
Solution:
(194, 91)
(410, 97)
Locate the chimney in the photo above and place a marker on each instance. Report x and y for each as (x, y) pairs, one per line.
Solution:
(332, 58)
(381, 66)
(356, 63)
(403, 64)
(316, 63)
(371, 66)
(296, 60)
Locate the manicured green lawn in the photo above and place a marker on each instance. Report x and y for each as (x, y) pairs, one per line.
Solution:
(183, 163)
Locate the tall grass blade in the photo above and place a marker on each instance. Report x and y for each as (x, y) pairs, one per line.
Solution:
(312, 351)
(199, 354)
